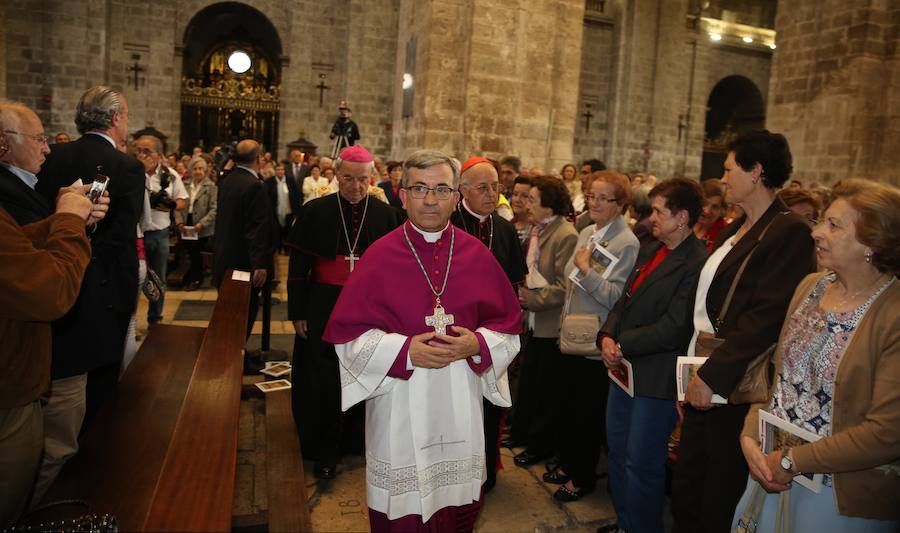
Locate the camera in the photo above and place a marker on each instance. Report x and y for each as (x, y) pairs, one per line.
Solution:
(223, 156)
(161, 197)
(98, 185)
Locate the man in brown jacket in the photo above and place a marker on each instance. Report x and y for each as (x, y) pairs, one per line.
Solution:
(41, 268)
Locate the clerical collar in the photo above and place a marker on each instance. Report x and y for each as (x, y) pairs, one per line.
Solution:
(430, 236)
(248, 169)
(481, 218)
(27, 177)
(105, 136)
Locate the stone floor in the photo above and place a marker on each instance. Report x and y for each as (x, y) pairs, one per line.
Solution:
(520, 501)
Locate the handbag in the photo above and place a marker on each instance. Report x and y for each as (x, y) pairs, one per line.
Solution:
(748, 522)
(78, 517)
(754, 386)
(578, 332)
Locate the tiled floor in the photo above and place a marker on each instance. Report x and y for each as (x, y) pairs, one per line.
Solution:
(519, 502)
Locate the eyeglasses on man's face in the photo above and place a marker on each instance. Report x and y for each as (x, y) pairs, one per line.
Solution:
(39, 138)
(362, 180)
(441, 192)
(139, 150)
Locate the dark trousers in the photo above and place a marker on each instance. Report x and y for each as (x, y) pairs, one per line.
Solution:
(316, 403)
(101, 384)
(638, 430)
(581, 424)
(492, 415)
(539, 394)
(195, 268)
(711, 473)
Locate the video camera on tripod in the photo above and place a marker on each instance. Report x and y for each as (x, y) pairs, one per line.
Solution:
(161, 197)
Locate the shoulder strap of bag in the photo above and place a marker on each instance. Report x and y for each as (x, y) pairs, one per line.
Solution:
(737, 277)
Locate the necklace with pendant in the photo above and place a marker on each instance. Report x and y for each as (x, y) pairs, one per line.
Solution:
(353, 258)
(439, 320)
(466, 226)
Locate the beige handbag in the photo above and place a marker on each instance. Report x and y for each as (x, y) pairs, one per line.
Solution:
(578, 332)
(754, 386)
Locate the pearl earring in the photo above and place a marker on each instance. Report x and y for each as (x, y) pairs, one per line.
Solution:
(869, 257)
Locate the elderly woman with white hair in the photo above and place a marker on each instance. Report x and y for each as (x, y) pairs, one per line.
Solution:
(197, 223)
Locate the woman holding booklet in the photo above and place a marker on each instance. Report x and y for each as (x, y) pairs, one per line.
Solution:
(197, 223)
(596, 274)
(741, 299)
(649, 326)
(837, 379)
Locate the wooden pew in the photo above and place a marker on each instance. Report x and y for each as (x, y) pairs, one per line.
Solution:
(161, 455)
(285, 480)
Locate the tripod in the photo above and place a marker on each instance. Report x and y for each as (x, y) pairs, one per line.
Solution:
(340, 142)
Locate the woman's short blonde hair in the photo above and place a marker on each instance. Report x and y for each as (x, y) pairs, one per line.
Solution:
(621, 185)
(878, 225)
(197, 159)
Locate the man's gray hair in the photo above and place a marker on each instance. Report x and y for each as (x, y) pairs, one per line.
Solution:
(157, 142)
(423, 159)
(96, 108)
(11, 119)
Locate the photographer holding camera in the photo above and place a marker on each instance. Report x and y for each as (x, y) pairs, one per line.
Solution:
(167, 194)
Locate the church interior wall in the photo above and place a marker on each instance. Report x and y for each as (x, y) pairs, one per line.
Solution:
(835, 87)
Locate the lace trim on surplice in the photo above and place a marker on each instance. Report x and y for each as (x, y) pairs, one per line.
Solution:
(406, 479)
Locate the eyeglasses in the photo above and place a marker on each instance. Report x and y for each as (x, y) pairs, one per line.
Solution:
(441, 192)
(144, 151)
(485, 187)
(39, 138)
(348, 179)
(599, 198)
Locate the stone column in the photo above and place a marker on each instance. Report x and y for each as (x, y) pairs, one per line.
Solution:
(491, 77)
(835, 88)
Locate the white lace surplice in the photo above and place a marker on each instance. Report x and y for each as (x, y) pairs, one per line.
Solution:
(424, 436)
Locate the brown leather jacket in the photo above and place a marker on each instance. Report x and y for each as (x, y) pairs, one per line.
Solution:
(41, 268)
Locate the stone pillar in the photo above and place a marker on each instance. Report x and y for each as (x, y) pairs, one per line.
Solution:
(491, 77)
(835, 88)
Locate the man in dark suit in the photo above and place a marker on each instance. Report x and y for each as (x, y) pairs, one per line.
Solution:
(245, 226)
(286, 199)
(296, 169)
(89, 341)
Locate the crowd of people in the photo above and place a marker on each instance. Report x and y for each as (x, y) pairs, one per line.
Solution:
(572, 295)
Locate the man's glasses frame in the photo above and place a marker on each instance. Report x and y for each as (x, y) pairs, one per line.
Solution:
(39, 138)
(419, 191)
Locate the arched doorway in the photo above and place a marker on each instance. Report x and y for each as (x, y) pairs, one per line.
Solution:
(735, 105)
(231, 78)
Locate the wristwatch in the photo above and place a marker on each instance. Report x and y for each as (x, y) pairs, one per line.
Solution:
(786, 462)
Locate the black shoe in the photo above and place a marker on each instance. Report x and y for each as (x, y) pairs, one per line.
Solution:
(612, 528)
(563, 494)
(192, 286)
(324, 471)
(528, 458)
(555, 477)
(253, 364)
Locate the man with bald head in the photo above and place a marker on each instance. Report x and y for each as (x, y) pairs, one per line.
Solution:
(477, 214)
(246, 229)
(327, 242)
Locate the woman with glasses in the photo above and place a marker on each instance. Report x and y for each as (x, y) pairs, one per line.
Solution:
(594, 291)
(649, 327)
(201, 215)
(550, 245)
(711, 221)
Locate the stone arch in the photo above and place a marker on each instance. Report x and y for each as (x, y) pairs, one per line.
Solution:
(220, 105)
(735, 104)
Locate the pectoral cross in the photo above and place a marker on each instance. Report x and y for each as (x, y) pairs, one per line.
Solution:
(439, 320)
(353, 258)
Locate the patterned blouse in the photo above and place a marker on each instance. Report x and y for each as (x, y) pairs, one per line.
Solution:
(812, 349)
